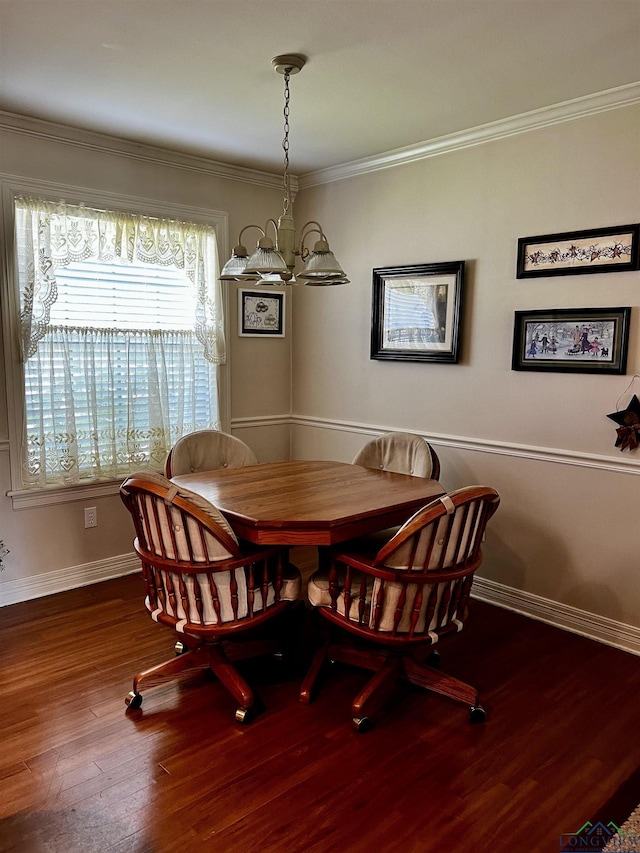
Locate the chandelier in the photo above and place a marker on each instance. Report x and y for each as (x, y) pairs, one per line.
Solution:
(274, 262)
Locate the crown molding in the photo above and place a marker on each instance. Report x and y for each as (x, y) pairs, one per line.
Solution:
(81, 138)
(611, 99)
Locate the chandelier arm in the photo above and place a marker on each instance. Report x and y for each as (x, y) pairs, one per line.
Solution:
(317, 228)
(275, 230)
(246, 228)
(306, 230)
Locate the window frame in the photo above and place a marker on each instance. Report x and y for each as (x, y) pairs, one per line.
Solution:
(10, 301)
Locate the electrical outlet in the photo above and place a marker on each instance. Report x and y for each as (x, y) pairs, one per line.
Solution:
(90, 516)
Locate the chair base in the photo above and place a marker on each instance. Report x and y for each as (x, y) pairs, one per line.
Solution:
(388, 669)
(220, 660)
(194, 654)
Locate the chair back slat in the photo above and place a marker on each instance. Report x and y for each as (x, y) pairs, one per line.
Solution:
(400, 608)
(214, 598)
(195, 573)
(419, 582)
(168, 581)
(430, 609)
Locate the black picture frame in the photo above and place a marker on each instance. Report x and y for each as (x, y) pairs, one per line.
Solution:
(598, 250)
(571, 340)
(261, 313)
(416, 310)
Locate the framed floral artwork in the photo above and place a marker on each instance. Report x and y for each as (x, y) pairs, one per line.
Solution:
(576, 252)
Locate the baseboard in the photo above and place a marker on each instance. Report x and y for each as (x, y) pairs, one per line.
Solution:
(563, 616)
(590, 625)
(49, 583)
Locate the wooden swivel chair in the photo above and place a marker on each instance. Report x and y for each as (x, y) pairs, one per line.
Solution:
(207, 450)
(390, 607)
(401, 453)
(212, 590)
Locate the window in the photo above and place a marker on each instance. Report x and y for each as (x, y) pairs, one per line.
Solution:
(122, 333)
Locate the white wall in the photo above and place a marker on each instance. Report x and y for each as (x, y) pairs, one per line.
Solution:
(568, 529)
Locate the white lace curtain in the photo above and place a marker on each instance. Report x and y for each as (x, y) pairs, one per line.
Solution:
(103, 403)
(56, 234)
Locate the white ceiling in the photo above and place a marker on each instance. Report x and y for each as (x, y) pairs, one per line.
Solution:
(196, 75)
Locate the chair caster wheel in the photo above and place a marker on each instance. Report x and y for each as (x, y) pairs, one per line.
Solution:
(362, 724)
(433, 660)
(477, 714)
(180, 648)
(245, 716)
(133, 700)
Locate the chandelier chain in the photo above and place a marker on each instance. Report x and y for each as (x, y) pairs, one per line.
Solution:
(285, 141)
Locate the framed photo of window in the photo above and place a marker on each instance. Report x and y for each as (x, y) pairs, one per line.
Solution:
(416, 312)
(261, 313)
(572, 340)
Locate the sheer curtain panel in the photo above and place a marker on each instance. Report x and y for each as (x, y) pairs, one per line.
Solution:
(121, 330)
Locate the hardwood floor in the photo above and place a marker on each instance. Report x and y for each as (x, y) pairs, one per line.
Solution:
(77, 773)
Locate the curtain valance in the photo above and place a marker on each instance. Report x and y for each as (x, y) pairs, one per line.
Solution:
(56, 234)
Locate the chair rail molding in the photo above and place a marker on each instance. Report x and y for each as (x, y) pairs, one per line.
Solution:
(261, 421)
(480, 445)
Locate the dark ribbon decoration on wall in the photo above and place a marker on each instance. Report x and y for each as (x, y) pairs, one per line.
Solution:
(629, 430)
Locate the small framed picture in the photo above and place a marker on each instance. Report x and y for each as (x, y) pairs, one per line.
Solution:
(416, 312)
(261, 313)
(572, 340)
(576, 252)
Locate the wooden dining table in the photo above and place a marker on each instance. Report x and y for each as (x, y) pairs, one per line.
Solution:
(310, 503)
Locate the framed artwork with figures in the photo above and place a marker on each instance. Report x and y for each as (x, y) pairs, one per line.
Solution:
(571, 340)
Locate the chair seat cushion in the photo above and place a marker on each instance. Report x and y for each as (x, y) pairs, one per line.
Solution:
(291, 583)
(432, 595)
(187, 595)
(319, 596)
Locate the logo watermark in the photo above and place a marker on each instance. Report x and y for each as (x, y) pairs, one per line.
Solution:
(595, 837)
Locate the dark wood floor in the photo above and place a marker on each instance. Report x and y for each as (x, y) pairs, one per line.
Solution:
(77, 773)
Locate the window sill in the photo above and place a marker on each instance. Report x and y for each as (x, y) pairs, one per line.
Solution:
(31, 498)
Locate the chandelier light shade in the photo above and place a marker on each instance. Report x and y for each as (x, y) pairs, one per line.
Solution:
(236, 264)
(274, 262)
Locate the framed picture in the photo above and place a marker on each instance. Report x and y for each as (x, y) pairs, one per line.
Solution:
(572, 340)
(416, 312)
(261, 314)
(577, 252)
